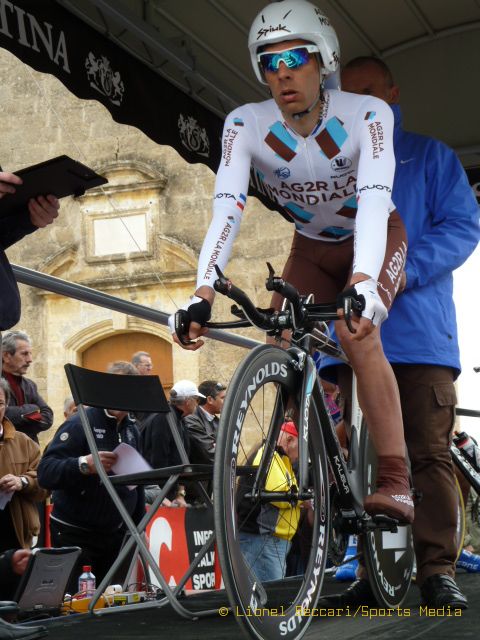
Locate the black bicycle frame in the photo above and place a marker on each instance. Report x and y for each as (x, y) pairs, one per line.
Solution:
(470, 473)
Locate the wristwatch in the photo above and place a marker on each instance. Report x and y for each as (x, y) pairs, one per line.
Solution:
(24, 482)
(83, 465)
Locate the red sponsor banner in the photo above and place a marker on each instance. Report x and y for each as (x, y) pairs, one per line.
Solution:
(175, 537)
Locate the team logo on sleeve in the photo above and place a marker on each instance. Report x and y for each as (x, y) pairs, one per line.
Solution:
(238, 122)
(332, 137)
(281, 142)
(370, 115)
(229, 138)
(375, 130)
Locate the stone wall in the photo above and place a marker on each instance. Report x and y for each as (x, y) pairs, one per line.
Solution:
(40, 120)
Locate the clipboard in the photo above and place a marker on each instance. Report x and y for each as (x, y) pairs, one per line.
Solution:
(60, 176)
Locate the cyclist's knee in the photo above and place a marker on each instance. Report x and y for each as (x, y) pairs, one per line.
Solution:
(371, 343)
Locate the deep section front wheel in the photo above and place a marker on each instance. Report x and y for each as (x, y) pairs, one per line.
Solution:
(273, 581)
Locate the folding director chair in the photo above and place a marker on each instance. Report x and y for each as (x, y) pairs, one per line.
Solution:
(136, 394)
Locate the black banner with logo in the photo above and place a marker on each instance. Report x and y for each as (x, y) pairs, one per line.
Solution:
(473, 174)
(50, 39)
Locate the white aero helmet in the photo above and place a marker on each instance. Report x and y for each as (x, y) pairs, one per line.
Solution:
(293, 20)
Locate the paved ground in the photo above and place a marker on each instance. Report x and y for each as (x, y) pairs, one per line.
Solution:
(153, 624)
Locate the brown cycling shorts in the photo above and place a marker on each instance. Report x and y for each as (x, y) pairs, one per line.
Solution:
(324, 268)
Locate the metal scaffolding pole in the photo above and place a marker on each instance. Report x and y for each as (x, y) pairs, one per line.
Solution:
(86, 294)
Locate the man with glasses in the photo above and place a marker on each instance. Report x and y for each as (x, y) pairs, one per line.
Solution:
(325, 159)
(142, 362)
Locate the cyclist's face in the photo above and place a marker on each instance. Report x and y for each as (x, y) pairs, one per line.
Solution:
(370, 80)
(293, 89)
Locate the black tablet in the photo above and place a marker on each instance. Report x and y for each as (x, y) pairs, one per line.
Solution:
(59, 176)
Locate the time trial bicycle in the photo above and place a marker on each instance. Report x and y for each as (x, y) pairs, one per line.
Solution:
(269, 383)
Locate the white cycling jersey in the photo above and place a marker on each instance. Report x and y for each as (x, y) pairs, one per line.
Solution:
(335, 182)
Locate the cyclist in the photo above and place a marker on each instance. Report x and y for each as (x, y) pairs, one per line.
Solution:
(326, 158)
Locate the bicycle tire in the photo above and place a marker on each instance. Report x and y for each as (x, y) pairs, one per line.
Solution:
(263, 386)
(389, 557)
(461, 519)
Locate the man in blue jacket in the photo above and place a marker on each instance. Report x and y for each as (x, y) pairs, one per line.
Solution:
(83, 513)
(441, 216)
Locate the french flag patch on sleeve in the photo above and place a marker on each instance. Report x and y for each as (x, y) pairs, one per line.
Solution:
(241, 201)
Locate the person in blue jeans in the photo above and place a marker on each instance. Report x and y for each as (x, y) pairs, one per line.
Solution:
(266, 531)
(441, 216)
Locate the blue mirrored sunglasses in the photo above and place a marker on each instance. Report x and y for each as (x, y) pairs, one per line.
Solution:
(292, 58)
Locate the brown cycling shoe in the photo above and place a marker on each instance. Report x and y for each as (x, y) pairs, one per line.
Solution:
(398, 506)
(393, 496)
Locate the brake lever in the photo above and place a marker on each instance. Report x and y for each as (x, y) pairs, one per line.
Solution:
(347, 313)
(352, 305)
(182, 325)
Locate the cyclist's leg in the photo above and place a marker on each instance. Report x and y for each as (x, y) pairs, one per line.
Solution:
(323, 269)
(378, 392)
(428, 404)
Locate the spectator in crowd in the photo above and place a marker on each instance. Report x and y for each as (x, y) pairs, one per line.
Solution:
(27, 410)
(83, 513)
(142, 362)
(266, 530)
(438, 208)
(69, 407)
(39, 213)
(202, 424)
(12, 565)
(158, 442)
(19, 458)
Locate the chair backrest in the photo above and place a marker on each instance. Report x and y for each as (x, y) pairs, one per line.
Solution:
(45, 579)
(113, 391)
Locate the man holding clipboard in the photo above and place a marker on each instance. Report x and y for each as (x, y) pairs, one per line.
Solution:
(39, 213)
(27, 203)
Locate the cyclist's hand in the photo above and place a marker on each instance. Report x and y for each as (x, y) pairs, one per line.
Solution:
(374, 312)
(188, 324)
(194, 333)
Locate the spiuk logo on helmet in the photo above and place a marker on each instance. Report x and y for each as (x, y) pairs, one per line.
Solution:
(267, 30)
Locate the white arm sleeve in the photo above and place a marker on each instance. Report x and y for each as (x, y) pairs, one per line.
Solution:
(376, 170)
(231, 187)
